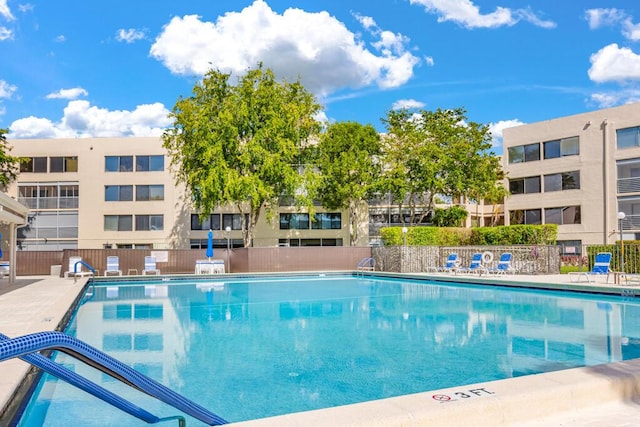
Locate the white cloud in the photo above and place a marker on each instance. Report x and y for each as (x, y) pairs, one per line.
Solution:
(611, 99)
(81, 120)
(497, 128)
(467, 14)
(6, 90)
(60, 39)
(407, 103)
(6, 34)
(130, 35)
(630, 30)
(315, 47)
(613, 63)
(5, 11)
(603, 17)
(27, 7)
(429, 61)
(73, 93)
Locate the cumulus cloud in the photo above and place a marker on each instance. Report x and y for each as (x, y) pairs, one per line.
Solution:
(598, 18)
(467, 14)
(72, 93)
(315, 47)
(611, 99)
(6, 89)
(614, 63)
(497, 128)
(5, 11)
(82, 120)
(129, 36)
(407, 103)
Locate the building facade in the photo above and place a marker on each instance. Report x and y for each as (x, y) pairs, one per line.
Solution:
(92, 193)
(581, 172)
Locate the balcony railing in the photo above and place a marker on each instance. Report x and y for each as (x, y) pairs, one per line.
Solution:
(49, 202)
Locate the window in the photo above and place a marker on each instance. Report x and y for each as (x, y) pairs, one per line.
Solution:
(118, 223)
(149, 192)
(327, 221)
(149, 222)
(524, 153)
(560, 216)
(562, 147)
(149, 163)
(34, 164)
(526, 185)
(118, 163)
(63, 164)
(527, 216)
(294, 221)
(118, 193)
(211, 222)
(562, 181)
(628, 138)
(234, 221)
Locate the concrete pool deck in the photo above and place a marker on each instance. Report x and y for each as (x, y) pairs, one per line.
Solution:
(591, 396)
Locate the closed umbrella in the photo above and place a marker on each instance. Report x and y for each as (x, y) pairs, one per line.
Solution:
(210, 245)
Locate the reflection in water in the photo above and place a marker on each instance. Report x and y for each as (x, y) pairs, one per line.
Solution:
(248, 349)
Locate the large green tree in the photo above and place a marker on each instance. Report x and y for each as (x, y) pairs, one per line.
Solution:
(243, 143)
(349, 165)
(432, 153)
(8, 163)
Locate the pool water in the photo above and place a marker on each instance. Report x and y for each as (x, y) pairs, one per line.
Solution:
(252, 348)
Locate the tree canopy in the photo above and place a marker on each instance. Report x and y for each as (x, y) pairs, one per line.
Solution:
(8, 163)
(349, 165)
(431, 153)
(242, 144)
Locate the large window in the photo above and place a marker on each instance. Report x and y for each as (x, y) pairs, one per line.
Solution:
(526, 185)
(149, 192)
(34, 164)
(118, 193)
(524, 153)
(149, 163)
(565, 215)
(63, 164)
(118, 163)
(210, 222)
(118, 223)
(562, 147)
(562, 181)
(233, 221)
(525, 216)
(628, 138)
(149, 222)
(327, 221)
(294, 221)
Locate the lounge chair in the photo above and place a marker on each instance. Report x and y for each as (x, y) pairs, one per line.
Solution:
(113, 266)
(450, 266)
(475, 266)
(600, 268)
(150, 266)
(5, 268)
(75, 268)
(504, 265)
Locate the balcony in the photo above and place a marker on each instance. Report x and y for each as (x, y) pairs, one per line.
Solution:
(49, 202)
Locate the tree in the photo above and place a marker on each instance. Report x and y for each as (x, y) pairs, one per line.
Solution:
(433, 153)
(348, 162)
(242, 144)
(8, 164)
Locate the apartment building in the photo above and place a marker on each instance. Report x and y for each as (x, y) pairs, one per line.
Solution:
(581, 172)
(91, 193)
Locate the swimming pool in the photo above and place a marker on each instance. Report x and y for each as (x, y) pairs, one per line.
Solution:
(249, 348)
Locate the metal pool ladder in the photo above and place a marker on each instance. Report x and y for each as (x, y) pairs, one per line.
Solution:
(27, 347)
(366, 264)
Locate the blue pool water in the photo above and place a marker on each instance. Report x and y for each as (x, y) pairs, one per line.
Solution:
(251, 348)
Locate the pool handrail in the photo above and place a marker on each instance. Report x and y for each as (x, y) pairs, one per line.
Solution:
(367, 263)
(27, 346)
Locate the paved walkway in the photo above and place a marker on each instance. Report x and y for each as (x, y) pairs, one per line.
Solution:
(609, 396)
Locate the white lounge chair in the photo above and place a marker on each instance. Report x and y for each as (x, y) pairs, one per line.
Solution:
(76, 268)
(150, 266)
(113, 266)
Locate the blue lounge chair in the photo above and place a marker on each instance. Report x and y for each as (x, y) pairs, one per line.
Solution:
(504, 265)
(475, 266)
(451, 265)
(601, 267)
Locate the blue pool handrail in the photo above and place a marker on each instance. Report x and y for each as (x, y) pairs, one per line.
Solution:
(75, 267)
(27, 346)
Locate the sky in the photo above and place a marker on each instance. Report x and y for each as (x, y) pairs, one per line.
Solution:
(76, 69)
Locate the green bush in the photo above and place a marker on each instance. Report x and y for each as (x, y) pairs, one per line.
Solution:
(481, 236)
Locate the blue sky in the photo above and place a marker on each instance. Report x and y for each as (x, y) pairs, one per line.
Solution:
(74, 69)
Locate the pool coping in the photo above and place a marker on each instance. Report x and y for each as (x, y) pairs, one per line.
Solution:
(46, 303)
